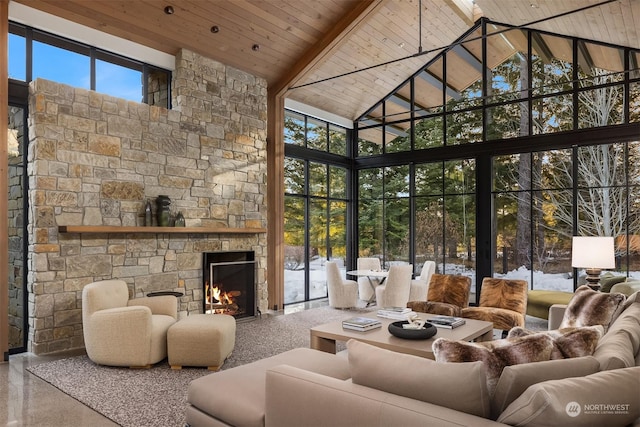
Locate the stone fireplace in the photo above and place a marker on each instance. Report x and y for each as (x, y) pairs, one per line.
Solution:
(96, 160)
(229, 283)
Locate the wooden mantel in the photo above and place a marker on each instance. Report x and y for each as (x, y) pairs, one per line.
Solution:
(171, 230)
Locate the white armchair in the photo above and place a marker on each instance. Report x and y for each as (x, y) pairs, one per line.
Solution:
(123, 332)
(366, 285)
(420, 285)
(342, 293)
(395, 290)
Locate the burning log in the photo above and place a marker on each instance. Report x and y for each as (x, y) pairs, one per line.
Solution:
(219, 301)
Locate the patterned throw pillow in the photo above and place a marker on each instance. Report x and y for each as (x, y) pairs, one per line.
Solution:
(567, 342)
(495, 354)
(589, 307)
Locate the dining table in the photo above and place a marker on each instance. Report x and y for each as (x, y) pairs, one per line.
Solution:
(370, 275)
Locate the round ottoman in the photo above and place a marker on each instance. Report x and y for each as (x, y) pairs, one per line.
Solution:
(201, 340)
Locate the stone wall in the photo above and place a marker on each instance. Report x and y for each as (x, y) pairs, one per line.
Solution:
(95, 160)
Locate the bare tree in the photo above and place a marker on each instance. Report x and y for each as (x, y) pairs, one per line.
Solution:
(602, 200)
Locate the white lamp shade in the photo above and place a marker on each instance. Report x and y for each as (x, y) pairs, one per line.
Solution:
(593, 252)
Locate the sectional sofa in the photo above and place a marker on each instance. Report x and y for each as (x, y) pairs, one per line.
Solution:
(370, 386)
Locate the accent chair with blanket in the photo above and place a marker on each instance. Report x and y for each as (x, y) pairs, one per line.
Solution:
(448, 294)
(502, 301)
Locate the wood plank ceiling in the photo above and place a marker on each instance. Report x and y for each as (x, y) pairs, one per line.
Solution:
(371, 44)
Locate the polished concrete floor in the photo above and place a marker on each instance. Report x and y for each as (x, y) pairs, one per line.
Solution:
(26, 400)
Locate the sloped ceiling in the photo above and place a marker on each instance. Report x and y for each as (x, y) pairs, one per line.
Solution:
(339, 56)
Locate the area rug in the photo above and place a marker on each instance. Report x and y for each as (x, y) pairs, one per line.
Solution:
(158, 396)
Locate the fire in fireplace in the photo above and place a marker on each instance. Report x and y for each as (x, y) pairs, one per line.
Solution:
(229, 283)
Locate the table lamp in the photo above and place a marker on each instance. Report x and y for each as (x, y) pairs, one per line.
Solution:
(593, 254)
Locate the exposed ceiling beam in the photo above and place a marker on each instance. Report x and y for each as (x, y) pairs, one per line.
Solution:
(327, 43)
(437, 83)
(464, 9)
(467, 57)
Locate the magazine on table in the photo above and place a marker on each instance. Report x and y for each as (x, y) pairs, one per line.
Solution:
(361, 323)
(449, 322)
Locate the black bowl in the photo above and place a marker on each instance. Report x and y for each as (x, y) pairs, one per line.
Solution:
(425, 333)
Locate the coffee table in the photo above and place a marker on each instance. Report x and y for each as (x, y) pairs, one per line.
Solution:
(324, 337)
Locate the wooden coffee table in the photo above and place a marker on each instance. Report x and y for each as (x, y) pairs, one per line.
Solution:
(324, 337)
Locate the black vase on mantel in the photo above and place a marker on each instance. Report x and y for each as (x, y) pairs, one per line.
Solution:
(163, 211)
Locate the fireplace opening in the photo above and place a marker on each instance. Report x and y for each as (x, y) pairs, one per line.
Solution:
(229, 283)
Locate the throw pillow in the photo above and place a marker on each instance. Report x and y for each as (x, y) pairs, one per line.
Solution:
(608, 398)
(607, 281)
(567, 342)
(632, 298)
(495, 354)
(589, 307)
(619, 347)
(516, 379)
(419, 378)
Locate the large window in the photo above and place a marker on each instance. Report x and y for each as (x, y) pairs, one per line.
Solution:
(316, 201)
(491, 157)
(84, 67)
(445, 211)
(542, 199)
(487, 161)
(432, 219)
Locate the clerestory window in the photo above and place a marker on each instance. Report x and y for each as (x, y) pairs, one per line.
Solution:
(37, 54)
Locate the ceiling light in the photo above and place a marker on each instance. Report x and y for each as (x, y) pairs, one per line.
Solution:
(168, 10)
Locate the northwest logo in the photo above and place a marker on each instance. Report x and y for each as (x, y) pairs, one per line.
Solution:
(572, 409)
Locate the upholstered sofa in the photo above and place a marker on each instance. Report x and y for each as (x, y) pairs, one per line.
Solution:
(370, 386)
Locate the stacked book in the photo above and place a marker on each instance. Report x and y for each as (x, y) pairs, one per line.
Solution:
(361, 324)
(448, 322)
(396, 313)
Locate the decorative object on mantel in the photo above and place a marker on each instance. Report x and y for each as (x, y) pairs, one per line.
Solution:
(164, 211)
(148, 218)
(179, 222)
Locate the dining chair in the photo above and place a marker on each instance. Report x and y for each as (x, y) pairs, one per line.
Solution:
(420, 285)
(394, 292)
(342, 293)
(502, 301)
(447, 295)
(366, 285)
